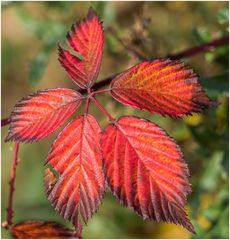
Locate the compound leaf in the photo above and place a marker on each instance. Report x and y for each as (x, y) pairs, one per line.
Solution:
(161, 86)
(145, 170)
(86, 38)
(41, 113)
(40, 230)
(76, 156)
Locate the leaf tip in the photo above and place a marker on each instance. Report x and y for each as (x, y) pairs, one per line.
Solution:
(188, 225)
(91, 13)
(8, 137)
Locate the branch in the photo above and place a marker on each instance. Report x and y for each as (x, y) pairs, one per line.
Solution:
(201, 48)
(184, 54)
(9, 215)
(130, 49)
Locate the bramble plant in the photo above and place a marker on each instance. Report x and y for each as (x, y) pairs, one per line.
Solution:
(143, 167)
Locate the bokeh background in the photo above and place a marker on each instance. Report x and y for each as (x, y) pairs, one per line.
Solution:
(30, 34)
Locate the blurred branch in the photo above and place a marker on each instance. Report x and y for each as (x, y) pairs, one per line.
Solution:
(184, 54)
(133, 51)
(201, 48)
(9, 216)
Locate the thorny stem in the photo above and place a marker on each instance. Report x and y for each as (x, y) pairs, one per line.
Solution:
(184, 54)
(103, 109)
(9, 215)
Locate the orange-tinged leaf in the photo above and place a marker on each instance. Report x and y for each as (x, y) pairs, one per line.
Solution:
(40, 230)
(41, 113)
(86, 38)
(145, 170)
(161, 86)
(76, 156)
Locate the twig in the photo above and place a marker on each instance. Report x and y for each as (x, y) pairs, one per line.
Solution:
(9, 215)
(184, 54)
(133, 51)
(201, 48)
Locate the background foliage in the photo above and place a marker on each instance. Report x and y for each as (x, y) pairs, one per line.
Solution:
(30, 34)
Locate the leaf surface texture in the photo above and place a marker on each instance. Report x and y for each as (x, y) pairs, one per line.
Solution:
(41, 113)
(76, 156)
(161, 86)
(86, 38)
(145, 170)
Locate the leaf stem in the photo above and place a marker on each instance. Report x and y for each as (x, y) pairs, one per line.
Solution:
(87, 101)
(101, 91)
(9, 215)
(86, 106)
(103, 109)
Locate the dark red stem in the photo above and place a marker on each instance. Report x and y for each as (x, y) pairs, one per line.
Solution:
(186, 53)
(11, 183)
(201, 48)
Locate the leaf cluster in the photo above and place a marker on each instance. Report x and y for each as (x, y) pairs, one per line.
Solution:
(142, 165)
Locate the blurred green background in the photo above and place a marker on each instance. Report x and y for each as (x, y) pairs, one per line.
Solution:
(30, 34)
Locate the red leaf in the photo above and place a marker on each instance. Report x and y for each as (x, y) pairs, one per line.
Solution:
(77, 157)
(146, 171)
(86, 38)
(41, 113)
(40, 229)
(162, 86)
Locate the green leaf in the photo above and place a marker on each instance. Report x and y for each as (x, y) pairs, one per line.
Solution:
(112, 44)
(216, 85)
(48, 31)
(212, 172)
(220, 229)
(37, 67)
(222, 16)
(201, 34)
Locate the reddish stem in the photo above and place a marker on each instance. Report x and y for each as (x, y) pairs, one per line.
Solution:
(87, 101)
(86, 106)
(103, 109)
(201, 48)
(101, 91)
(11, 183)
